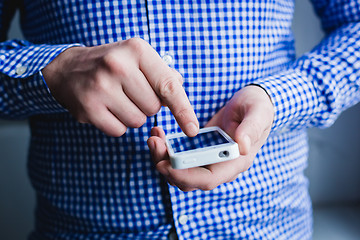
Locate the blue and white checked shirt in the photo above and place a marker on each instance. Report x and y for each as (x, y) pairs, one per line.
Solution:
(91, 186)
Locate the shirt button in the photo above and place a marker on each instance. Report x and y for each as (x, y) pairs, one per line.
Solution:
(2, 59)
(183, 219)
(168, 59)
(21, 70)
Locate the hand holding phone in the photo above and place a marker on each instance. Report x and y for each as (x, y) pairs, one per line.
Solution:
(211, 145)
(247, 118)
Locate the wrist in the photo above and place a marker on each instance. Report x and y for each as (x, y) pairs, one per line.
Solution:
(259, 86)
(54, 71)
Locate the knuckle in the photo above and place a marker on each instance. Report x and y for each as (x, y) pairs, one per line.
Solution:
(101, 84)
(154, 109)
(114, 64)
(137, 45)
(182, 113)
(120, 131)
(109, 59)
(137, 121)
(168, 87)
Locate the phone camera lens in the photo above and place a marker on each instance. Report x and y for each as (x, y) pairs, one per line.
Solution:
(224, 154)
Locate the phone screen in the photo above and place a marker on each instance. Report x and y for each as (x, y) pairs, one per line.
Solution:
(202, 140)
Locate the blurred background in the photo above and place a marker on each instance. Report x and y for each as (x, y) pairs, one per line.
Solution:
(334, 163)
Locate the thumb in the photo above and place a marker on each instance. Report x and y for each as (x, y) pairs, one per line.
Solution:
(248, 133)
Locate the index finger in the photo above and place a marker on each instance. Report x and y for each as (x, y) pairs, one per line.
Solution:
(167, 85)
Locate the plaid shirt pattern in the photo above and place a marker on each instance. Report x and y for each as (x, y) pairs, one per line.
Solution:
(91, 186)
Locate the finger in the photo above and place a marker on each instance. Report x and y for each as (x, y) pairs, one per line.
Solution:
(167, 85)
(193, 178)
(157, 145)
(164, 167)
(159, 132)
(138, 89)
(104, 120)
(185, 179)
(250, 130)
(124, 109)
(161, 157)
(134, 83)
(228, 171)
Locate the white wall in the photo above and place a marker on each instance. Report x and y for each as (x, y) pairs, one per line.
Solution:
(333, 166)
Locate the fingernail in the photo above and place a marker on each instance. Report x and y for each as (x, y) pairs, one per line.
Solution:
(191, 129)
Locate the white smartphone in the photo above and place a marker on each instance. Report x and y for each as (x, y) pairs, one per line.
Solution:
(211, 145)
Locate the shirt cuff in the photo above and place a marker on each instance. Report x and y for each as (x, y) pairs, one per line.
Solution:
(21, 59)
(294, 98)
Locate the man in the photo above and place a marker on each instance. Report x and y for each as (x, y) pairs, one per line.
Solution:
(113, 65)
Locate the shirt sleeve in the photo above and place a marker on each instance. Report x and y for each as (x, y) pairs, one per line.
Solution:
(322, 83)
(23, 91)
